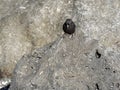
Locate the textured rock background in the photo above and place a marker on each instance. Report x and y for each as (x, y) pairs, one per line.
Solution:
(66, 64)
(27, 24)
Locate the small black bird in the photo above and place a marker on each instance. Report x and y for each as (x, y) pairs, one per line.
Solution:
(69, 26)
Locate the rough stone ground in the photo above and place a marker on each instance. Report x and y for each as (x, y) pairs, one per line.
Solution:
(26, 25)
(69, 63)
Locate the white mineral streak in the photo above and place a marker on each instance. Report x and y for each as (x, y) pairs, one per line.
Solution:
(4, 82)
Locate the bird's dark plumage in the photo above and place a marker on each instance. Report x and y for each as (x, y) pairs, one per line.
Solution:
(69, 26)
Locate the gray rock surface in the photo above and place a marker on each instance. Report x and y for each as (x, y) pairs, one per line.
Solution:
(28, 24)
(88, 60)
(69, 63)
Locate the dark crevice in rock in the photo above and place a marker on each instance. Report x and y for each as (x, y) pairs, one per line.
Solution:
(118, 85)
(1, 76)
(114, 71)
(97, 54)
(6, 87)
(88, 88)
(97, 87)
(34, 86)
